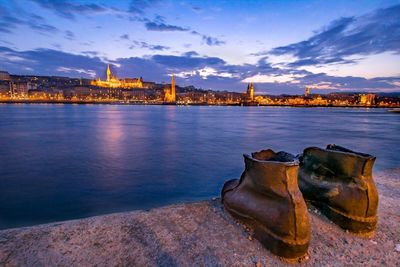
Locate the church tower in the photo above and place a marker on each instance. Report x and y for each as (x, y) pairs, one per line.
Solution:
(250, 91)
(170, 92)
(173, 92)
(307, 93)
(108, 73)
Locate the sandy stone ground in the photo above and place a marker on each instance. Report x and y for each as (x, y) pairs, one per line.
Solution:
(198, 234)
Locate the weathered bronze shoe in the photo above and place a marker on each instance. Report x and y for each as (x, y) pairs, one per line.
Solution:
(267, 199)
(339, 182)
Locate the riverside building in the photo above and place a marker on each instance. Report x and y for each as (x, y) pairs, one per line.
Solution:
(113, 82)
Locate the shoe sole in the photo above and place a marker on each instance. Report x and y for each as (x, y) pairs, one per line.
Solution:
(357, 225)
(290, 251)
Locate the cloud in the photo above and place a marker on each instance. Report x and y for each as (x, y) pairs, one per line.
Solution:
(69, 10)
(148, 46)
(395, 81)
(69, 35)
(373, 33)
(91, 53)
(383, 64)
(90, 73)
(197, 9)
(345, 83)
(45, 28)
(162, 27)
(48, 62)
(138, 7)
(187, 62)
(141, 44)
(9, 22)
(274, 78)
(212, 41)
(204, 73)
(124, 37)
(190, 54)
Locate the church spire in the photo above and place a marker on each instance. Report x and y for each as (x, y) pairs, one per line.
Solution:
(173, 92)
(250, 91)
(170, 92)
(108, 73)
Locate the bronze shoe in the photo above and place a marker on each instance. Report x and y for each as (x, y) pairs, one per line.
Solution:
(339, 182)
(267, 199)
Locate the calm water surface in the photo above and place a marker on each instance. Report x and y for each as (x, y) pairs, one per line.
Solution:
(62, 162)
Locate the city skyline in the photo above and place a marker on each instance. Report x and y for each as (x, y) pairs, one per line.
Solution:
(282, 46)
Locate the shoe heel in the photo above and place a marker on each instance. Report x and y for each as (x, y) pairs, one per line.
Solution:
(288, 249)
(357, 225)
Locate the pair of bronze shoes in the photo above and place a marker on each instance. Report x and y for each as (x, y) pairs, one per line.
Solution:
(269, 196)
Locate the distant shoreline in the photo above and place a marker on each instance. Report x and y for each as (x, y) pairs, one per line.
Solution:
(177, 104)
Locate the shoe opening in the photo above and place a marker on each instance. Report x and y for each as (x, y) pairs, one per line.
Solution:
(333, 147)
(270, 155)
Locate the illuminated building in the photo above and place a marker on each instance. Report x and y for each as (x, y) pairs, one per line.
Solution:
(21, 89)
(307, 93)
(250, 91)
(37, 95)
(248, 98)
(5, 89)
(367, 99)
(4, 76)
(113, 82)
(5, 85)
(318, 101)
(169, 92)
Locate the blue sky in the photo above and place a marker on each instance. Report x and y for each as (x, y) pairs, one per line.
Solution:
(282, 46)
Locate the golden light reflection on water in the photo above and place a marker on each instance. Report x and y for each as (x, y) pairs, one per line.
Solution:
(110, 129)
(110, 152)
(123, 143)
(170, 123)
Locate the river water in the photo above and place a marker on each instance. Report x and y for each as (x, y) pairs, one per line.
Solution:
(61, 162)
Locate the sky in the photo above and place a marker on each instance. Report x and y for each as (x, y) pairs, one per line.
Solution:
(281, 46)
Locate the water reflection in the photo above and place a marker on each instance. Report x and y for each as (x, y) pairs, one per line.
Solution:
(110, 131)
